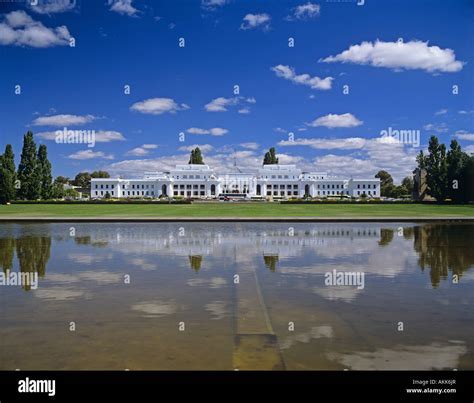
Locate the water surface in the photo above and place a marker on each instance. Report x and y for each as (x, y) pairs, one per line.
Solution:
(237, 296)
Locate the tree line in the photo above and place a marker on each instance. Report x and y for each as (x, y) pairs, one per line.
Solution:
(449, 174)
(33, 179)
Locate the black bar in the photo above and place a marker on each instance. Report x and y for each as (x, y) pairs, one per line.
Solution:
(380, 386)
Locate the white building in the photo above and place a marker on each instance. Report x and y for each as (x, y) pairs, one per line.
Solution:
(201, 181)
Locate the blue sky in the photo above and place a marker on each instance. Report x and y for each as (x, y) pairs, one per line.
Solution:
(399, 59)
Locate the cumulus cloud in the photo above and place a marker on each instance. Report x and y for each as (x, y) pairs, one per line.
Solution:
(252, 21)
(211, 5)
(19, 29)
(305, 12)
(464, 135)
(123, 7)
(52, 6)
(435, 127)
(250, 146)
(400, 56)
(158, 106)
(101, 136)
(332, 121)
(89, 154)
(441, 112)
(351, 143)
(63, 120)
(221, 104)
(143, 150)
(203, 147)
(215, 131)
(316, 83)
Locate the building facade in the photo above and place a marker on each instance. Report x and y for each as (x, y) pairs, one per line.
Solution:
(201, 181)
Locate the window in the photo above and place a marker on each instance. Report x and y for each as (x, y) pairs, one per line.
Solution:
(101, 186)
(363, 186)
(358, 186)
(279, 176)
(203, 186)
(96, 186)
(175, 193)
(288, 186)
(112, 187)
(188, 186)
(101, 192)
(295, 193)
(181, 186)
(202, 193)
(195, 193)
(286, 176)
(96, 192)
(269, 193)
(275, 193)
(182, 192)
(295, 186)
(282, 186)
(269, 186)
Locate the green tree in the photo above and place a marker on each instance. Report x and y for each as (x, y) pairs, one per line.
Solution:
(407, 183)
(44, 168)
(196, 157)
(457, 160)
(28, 175)
(7, 175)
(83, 180)
(270, 157)
(437, 170)
(63, 180)
(100, 174)
(57, 191)
(386, 183)
(71, 193)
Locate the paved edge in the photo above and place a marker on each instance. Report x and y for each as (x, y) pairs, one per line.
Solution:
(22, 219)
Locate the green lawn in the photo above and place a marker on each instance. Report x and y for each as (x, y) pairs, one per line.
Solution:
(235, 210)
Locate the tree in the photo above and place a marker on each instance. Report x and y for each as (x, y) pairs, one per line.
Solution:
(437, 170)
(62, 180)
(57, 191)
(456, 160)
(7, 175)
(270, 157)
(100, 174)
(83, 180)
(196, 157)
(408, 184)
(44, 171)
(28, 175)
(71, 193)
(386, 183)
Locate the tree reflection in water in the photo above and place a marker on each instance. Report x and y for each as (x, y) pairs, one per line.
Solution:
(442, 248)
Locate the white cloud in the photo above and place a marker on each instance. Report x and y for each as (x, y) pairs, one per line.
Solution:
(19, 29)
(332, 121)
(305, 12)
(462, 112)
(316, 83)
(203, 147)
(351, 143)
(213, 4)
(89, 154)
(215, 131)
(464, 135)
(158, 106)
(52, 6)
(221, 104)
(434, 127)
(101, 136)
(469, 149)
(123, 7)
(441, 112)
(400, 56)
(250, 146)
(252, 21)
(244, 111)
(63, 120)
(142, 151)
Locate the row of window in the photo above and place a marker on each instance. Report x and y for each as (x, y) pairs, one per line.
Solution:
(368, 186)
(106, 186)
(269, 186)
